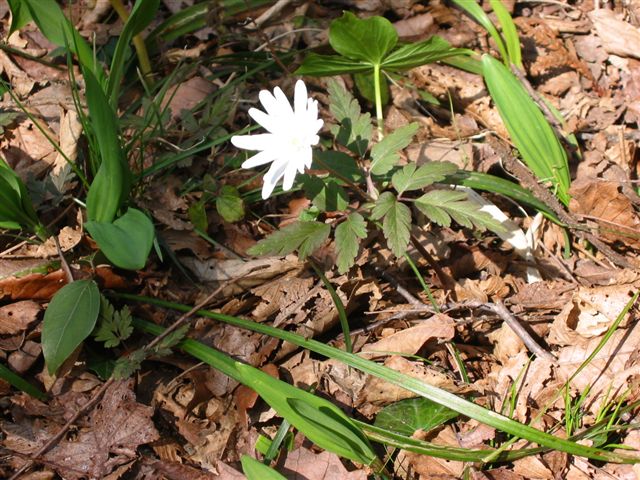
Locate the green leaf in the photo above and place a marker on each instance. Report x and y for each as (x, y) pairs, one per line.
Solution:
(440, 206)
(229, 204)
(412, 177)
(198, 215)
(355, 128)
(20, 15)
(532, 135)
(407, 416)
(366, 86)
(16, 210)
(479, 15)
(325, 193)
(386, 153)
(341, 163)
(127, 241)
(68, 321)
(368, 40)
(110, 186)
(396, 225)
(255, 470)
(305, 237)
(509, 32)
(113, 327)
(415, 54)
(329, 65)
(348, 235)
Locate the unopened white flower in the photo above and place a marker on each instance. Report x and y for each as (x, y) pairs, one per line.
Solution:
(292, 133)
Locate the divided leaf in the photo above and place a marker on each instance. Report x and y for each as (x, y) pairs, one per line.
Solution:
(396, 225)
(385, 153)
(113, 326)
(305, 237)
(440, 206)
(229, 204)
(348, 236)
(355, 127)
(325, 193)
(412, 177)
(368, 40)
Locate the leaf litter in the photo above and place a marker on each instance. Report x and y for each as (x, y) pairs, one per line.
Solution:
(178, 420)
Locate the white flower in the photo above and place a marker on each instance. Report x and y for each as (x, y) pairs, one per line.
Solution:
(292, 133)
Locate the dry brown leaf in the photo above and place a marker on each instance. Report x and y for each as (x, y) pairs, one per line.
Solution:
(188, 95)
(303, 463)
(70, 131)
(603, 202)
(17, 317)
(506, 344)
(411, 340)
(532, 468)
(617, 36)
(431, 467)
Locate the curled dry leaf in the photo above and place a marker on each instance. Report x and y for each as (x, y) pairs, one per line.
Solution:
(617, 36)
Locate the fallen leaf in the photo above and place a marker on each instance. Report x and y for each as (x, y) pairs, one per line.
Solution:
(17, 317)
(617, 36)
(302, 463)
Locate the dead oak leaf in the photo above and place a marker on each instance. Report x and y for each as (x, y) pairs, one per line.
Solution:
(16, 317)
(304, 464)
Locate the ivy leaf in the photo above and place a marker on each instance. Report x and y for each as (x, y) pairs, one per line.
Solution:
(396, 225)
(369, 40)
(385, 154)
(305, 237)
(355, 127)
(440, 206)
(229, 204)
(348, 236)
(412, 177)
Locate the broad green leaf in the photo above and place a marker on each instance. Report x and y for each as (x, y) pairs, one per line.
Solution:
(255, 470)
(368, 40)
(529, 130)
(329, 65)
(509, 32)
(408, 416)
(20, 15)
(110, 186)
(340, 163)
(348, 236)
(325, 193)
(142, 14)
(396, 225)
(305, 237)
(420, 53)
(127, 241)
(229, 204)
(16, 209)
(355, 127)
(440, 206)
(68, 321)
(412, 177)
(386, 153)
(479, 15)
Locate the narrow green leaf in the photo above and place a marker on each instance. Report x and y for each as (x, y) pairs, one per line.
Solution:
(408, 416)
(68, 321)
(255, 470)
(329, 65)
(20, 383)
(20, 15)
(127, 241)
(229, 204)
(355, 127)
(531, 133)
(386, 153)
(420, 53)
(480, 16)
(509, 32)
(396, 225)
(305, 237)
(348, 236)
(368, 40)
(412, 177)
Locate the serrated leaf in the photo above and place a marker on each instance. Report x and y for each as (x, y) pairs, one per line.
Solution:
(440, 206)
(412, 177)
(368, 40)
(113, 326)
(68, 321)
(325, 193)
(348, 236)
(305, 237)
(355, 127)
(386, 153)
(407, 416)
(229, 204)
(396, 225)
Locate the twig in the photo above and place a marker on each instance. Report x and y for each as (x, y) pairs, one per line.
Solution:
(63, 261)
(447, 281)
(271, 11)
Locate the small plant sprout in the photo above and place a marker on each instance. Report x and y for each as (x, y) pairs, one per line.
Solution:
(292, 133)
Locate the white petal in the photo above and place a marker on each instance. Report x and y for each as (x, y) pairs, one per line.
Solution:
(260, 159)
(262, 141)
(289, 176)
(272, 176)
(300, 99)
(267, 189)
(268, 101)
(268, 122)
(307, 158)
(284, 107)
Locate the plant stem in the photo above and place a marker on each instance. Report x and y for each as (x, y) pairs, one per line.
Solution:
(378, 95)
(138, 41)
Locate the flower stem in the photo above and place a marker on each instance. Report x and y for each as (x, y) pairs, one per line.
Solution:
(378, 95)
(138, 41)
